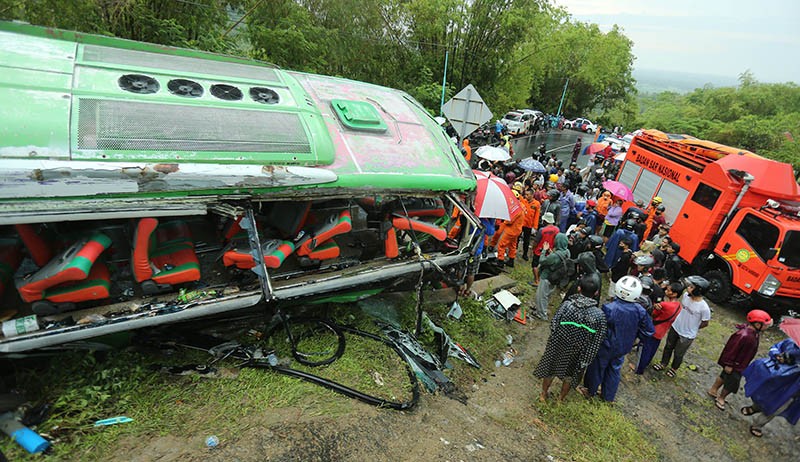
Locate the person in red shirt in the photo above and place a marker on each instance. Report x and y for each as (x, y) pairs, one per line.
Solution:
(546, 234)
(664, 314)
(741, 348)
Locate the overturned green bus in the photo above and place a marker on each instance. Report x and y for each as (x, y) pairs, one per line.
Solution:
(142, 185)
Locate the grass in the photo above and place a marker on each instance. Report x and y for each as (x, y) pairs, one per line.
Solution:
(591, 430)
(85, 387)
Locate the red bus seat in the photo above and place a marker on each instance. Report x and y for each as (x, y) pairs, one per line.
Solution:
(73, 276)
(164, 253)
(334, 225)
(275, 253)
(10, 258)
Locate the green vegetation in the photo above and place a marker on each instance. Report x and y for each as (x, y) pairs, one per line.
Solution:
(516, 52)
(593, 430)
(759, 117)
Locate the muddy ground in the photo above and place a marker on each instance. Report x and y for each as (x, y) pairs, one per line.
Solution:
(501, 420)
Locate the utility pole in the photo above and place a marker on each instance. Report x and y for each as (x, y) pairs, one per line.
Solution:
(444, 79)
(563, 94)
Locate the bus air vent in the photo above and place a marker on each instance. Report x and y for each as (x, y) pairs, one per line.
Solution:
(138, 83)
(110, 125)
(264, 95)
(226, 92)
(186, 88)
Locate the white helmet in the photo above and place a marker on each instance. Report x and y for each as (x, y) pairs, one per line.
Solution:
(628, 288)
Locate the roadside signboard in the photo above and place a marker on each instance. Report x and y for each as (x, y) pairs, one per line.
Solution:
(466, 111)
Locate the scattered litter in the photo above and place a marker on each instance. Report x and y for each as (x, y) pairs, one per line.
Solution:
(377, 378)
(474, 446)
(24, 436)
(508, 356)
(549, 457)
(455, 311)
(113, 421)
(91, 319)
(212, 442)
(509, 339)
(444, 441)
(692, 367)
(503, 305)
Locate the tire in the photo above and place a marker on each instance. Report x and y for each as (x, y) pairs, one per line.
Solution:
(720, 289)
(589, 131)
(567, 126)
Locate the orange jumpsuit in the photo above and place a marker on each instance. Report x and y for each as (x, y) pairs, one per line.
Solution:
(602, 205)
(534, 208)
(651, 212)
(468, 149)
(511, 231)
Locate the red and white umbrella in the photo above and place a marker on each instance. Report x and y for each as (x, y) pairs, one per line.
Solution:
(791, 326)
(494, 198)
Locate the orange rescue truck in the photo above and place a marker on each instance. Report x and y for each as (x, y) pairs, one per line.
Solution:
(735, 214)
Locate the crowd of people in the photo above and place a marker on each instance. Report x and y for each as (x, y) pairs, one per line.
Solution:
(578, 237)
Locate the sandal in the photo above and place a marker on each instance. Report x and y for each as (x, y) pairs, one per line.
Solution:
(720, 404)
(755, 431)
(658, 366)
(583, 391)
(747, 410)
(671, 373)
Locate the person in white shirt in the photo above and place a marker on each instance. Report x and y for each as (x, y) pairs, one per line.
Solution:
(694, 315)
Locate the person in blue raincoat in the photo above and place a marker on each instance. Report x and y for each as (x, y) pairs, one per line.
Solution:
(612, 246)
(773, 384)
(626, 320)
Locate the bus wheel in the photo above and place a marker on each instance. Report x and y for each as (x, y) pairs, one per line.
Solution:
(720, 289)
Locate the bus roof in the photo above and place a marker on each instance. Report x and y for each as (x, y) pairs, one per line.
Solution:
(72, 104)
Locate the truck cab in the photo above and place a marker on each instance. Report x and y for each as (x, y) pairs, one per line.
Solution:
(760, 252)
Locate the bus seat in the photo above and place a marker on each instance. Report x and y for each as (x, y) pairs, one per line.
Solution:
(275, 253)
(422, 207)
(288, 217)
(41, 252)
(72, 276)
(163, 254)
(334, 225)
(10, 258)
(325, 251)
(419, 226)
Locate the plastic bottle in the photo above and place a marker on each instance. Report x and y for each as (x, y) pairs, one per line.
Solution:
(19, 326)
(212, 442)
(24, 436)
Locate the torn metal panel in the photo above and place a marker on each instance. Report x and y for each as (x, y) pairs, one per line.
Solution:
(53, 179)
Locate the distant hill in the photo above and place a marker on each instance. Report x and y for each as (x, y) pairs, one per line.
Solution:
(656, 81)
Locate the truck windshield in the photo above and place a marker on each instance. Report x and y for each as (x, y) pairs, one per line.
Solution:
(759, 233)
(790, 250)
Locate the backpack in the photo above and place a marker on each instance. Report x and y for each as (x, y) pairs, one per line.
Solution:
(564, 272)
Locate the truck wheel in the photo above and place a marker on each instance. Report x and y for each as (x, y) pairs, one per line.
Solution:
(720, 289)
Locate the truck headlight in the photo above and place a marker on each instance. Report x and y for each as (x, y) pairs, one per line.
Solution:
(769, 286)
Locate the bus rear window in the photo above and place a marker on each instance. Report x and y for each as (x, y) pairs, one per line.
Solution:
(706, 196)
(790, 250)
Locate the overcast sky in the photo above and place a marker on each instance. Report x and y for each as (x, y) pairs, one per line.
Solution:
(705, 36)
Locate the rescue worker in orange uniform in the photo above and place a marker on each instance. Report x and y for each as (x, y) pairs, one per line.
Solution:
(651, 212)
(511, 231)
(531, 220)
(467, 150)
(603, 202)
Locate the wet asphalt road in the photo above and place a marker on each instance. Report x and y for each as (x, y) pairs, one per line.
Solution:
(559, 141)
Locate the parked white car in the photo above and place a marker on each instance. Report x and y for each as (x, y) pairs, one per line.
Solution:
(518, 123)
(581, 124)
